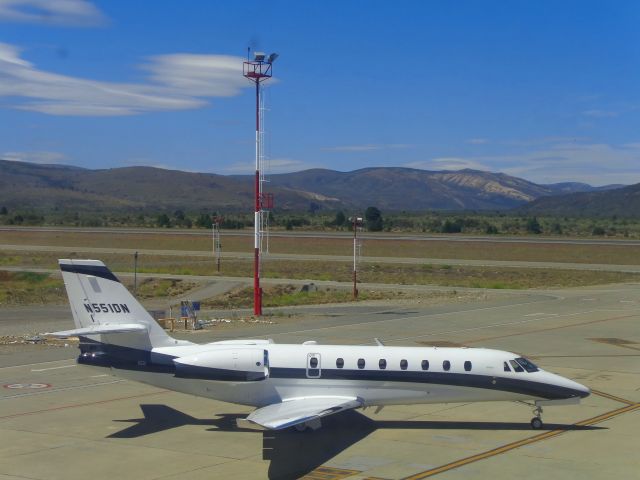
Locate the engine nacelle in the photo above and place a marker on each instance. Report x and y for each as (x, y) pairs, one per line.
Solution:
(231, 365)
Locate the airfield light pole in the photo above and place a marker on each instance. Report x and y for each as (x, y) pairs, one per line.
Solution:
(217, 240)
(257, 71)
(357, 221)
(135, 273)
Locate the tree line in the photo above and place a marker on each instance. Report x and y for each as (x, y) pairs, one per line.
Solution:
(478, 223)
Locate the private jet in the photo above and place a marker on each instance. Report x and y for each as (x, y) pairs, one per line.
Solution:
(292, 385)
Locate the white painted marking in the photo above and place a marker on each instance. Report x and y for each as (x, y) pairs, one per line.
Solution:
(447, 332)
(33, 364)
(60, 389)
(444, 314)
(98, 376)
(52, 368)
(32, 386)
(534, 314)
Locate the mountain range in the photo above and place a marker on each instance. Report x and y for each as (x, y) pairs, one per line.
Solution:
(128, 189)
(621, 202)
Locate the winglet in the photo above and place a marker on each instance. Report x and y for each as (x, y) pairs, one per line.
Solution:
(378, 342)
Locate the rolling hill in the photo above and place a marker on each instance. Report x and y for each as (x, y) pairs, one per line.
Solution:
(57, 187)
(130, 189)
(622, 202)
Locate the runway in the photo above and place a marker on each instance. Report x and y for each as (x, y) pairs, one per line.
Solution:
(64, 421)
(332, 234)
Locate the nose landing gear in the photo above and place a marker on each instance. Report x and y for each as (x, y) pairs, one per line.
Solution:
(536, 422)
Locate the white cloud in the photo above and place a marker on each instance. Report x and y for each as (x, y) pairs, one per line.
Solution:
(366, 147)
(595, 113)
(352, 148)
(553, 160)
(149, 162)
(34, 157)
(178, 82)
(276, 165)
(447, 163)
(477, 141)
(543, 141)
(199, 75)
(78, 13)
(592, 163)
(595, 163)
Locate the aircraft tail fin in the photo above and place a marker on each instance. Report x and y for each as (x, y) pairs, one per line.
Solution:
(105, 311)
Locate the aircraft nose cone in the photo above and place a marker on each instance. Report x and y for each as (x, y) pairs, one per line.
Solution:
(568, 388)
(579, 389)
(583, 391)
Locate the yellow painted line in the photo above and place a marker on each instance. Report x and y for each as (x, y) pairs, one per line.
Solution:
(608, 415)
(520, 443)
(612, 397)
(329, 473)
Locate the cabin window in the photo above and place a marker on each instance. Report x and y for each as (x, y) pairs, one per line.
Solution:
(467, 366)
(361, 363)
(516, 366)
(425, 364)
(382, 363)
(404, 364)
(339, 363)
(446, 365)
(506, 367)
(527, 365)
(313, 362)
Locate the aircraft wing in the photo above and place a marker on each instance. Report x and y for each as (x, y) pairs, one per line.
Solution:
(97, 329)
(299, 410)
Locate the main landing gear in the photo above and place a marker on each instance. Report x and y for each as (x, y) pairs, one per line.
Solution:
(536, 422)
(313, 424)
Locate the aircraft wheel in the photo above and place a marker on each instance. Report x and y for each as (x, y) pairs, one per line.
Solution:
(536, 423)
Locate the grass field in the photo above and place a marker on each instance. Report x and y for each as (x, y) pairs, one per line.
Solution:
(288, 295)
(20, 288)
(532, 252)
(388, 273)
(30, 288)
(162, 287)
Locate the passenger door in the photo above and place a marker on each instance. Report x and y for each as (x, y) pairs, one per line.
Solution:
(313, 365)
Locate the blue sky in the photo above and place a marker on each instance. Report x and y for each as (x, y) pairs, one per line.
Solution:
(545, 90)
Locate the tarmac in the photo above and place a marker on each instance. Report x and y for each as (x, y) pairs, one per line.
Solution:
(59, 420)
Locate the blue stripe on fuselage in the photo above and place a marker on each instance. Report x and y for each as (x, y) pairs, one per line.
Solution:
(109, 355)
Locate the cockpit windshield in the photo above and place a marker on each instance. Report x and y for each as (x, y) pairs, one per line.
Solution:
(527, 365)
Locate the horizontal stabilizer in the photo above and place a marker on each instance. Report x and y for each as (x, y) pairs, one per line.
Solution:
(300, 410)
(100, 329)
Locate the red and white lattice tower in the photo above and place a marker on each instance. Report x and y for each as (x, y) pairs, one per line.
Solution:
(258, 71)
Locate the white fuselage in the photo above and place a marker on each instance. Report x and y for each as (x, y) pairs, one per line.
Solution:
(289, 371)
